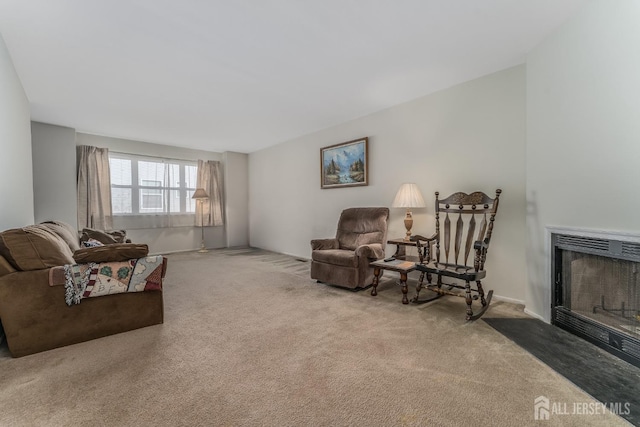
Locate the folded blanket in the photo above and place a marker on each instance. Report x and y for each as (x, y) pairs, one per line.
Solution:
(97, 279)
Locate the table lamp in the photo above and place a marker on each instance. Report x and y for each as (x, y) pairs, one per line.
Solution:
(408, 197)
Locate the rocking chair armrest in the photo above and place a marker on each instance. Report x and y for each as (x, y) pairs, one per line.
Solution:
(371, 251)
(481, 244)
(319, 244)
(424, 250)
(417, 238)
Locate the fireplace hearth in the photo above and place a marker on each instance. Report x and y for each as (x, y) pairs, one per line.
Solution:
(596, 292)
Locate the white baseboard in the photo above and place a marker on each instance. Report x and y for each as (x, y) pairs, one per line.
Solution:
(507, 299)
(536, 315)
(296, 256)
(174, 252)
(181, 251)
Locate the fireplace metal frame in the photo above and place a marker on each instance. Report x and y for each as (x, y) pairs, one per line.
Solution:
(625, 346)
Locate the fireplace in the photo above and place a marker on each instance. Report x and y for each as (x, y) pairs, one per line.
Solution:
(596, 290)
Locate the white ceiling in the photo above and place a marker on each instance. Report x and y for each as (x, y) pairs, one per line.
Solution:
(243, 75)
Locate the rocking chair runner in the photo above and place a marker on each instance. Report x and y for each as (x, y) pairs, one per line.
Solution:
(465, 207)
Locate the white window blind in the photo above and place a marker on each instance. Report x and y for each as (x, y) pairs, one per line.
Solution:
(152, 192)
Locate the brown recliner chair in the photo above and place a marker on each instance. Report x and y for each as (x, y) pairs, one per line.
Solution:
(360, 239)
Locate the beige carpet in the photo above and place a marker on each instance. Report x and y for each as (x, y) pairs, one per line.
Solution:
(250, 340)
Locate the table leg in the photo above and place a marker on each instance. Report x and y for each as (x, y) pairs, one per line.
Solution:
(405, 290)
(400, 252)
(376, 279)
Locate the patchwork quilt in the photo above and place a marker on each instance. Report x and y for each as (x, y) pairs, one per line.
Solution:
(97, 279)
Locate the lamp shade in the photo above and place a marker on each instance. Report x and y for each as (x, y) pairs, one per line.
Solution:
(200, 194)
(408, 196)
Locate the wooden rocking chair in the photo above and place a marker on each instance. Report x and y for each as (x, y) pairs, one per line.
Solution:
(466, 207)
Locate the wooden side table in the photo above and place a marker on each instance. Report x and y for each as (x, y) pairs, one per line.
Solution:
(401, 263)
(401, 266)
(401, 249)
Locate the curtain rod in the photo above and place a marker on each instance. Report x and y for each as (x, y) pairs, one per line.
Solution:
(158, 157)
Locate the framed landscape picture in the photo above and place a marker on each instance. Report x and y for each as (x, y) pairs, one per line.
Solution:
(345, 164)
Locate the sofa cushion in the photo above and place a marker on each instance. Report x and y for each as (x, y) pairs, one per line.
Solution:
(111, 253)
(34, 247)
(106, 237)
(342, 257)
(66, 231)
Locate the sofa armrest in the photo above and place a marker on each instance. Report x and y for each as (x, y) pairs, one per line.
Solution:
(5, 267)
(57, 275)
(371, 251)
(319, 244)
(111, 253)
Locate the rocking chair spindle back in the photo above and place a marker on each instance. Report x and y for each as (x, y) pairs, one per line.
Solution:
(465, 210)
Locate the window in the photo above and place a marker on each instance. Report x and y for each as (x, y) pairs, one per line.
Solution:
(144, 187)
(151, 199)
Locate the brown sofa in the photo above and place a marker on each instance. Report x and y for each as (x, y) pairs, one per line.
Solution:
(34, 314)
(360, 239)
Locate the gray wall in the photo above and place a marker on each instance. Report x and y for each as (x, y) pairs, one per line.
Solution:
(16, 181)
(236, 185)
(54, 173)
(466, 138)
(583, 133)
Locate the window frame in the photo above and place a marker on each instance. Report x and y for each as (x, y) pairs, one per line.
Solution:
(166, 191)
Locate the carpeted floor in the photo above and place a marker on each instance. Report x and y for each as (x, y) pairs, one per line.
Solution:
(250, 340)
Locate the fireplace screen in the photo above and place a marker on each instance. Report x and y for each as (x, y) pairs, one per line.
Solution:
(603, 289)
(596, 292)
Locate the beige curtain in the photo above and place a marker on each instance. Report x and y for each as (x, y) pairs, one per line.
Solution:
(94, 188)
(210, 178)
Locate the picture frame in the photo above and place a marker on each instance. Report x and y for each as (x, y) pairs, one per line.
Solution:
(345, 164)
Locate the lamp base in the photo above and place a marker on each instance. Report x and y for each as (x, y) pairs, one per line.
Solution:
(408, 223)
(203, 248)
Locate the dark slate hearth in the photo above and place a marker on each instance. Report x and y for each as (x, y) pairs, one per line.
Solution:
(600, 374)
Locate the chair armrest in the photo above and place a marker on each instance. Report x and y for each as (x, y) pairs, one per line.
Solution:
(479, 244)
(372, 251)
(319, 244)
(111, 253)
(424, 251)
(417, 237)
